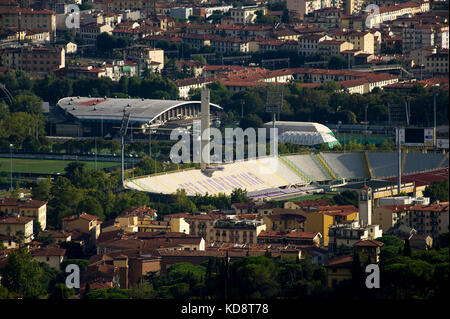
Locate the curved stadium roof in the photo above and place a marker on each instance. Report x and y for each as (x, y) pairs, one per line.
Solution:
(111, 109)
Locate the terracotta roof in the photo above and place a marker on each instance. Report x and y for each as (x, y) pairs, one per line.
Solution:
(49, 251)
(340, 262)
(15, 220)
(88, 216)
(294, 234)
(368, 243)
(25, 203)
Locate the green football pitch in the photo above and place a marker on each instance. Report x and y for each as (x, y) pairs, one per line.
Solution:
(37, 166)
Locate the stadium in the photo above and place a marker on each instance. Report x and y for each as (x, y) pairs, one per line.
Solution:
(290, 175)
(87, 116)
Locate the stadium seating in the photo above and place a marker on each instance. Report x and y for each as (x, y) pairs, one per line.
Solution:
(346, 165)
(266, 176)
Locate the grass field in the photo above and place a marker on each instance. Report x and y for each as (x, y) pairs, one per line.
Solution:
(37, 166)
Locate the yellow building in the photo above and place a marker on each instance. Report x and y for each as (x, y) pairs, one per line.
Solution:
(85, 224)
(284, 219)
(388, 216)
(35, 209)
(13, 226)
(361, 40)
(319, 219)
(338, 270)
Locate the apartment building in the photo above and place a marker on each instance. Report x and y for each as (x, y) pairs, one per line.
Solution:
(40, 20)
(299, 8)
(437, 62)
(425, 35)
(320, 218)
(240, 232)
(17, 226)
(289, 238)
(361, 40)
(35, 60)
(25, 207)
(89, 32)
(431, 220)
(86, 224)
(244, 15)
(333, 47)
(309, 44)
(350, 233)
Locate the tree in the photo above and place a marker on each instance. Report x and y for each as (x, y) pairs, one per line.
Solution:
(337, 62)
(407, 249)
(239, 196)
(23, 275)
(42, 190)
(251, 120)
(437, 191)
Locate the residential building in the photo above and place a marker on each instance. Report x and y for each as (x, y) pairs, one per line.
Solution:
(19, 227)
(90, 31)
(282, 219)
(186, 85)
(431, 220)
(425, 35)
(33, 59)
(119, 68)
(77, 71)
(237, 231)
(289, 238)
(333, 47)
(349, 233)
(338, 269)
(86, 224)
(20, 18)
(361, 40)
(309, 44)
(388, 215)
(437, 62)
(60, 236)
(51, 255)
(244, 15)
(369, 248)
(320, 218)
(25, 207)
(299, 8)
(146, 57)
(421, 242)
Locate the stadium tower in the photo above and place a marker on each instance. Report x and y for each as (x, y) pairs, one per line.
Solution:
(205, 135)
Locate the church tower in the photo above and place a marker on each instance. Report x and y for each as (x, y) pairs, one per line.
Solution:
(365, 205)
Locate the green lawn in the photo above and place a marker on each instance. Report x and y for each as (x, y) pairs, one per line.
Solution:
(37, 166)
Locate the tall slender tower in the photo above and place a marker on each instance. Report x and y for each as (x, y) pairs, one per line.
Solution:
(365, 205)
(205, 136)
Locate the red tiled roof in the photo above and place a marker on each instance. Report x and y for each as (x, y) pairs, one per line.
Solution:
(369, 243)
(15, 220)
(30, 203)
(49, 251)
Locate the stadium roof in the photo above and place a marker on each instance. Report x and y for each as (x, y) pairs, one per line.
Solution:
(111, 109)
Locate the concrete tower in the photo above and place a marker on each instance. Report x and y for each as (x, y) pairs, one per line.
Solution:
(205, 136)
(365, 205)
